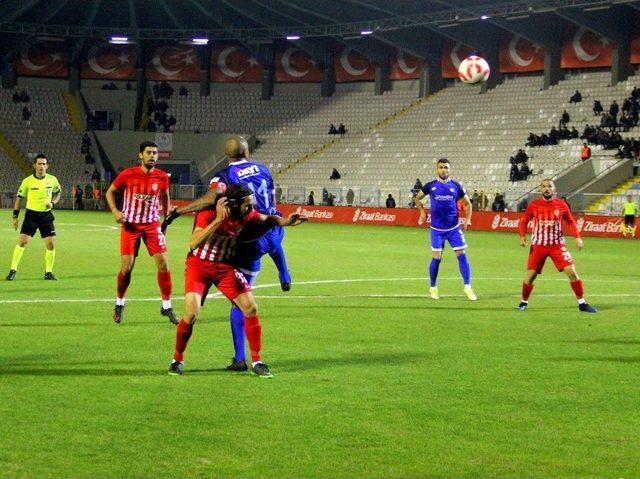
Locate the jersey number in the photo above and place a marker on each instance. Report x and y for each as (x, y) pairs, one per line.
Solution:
(263, 190)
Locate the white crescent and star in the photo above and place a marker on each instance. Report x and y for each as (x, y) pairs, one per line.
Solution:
(93, 62)
(157, 62)
(403, 64)
(26, 61)
(577, 47)
(513, 52)
(222, 63)
(286, 64)
(344, 62)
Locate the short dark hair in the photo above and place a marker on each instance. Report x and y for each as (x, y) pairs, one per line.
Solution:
(147, 144)
(238, 192)
(443, 160)
(40, 156)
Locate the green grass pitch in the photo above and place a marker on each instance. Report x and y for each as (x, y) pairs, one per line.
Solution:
(372, 378)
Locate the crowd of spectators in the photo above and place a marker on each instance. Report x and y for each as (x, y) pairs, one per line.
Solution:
(520, 170)
(341, 130)
(157, 108)
(22, 97)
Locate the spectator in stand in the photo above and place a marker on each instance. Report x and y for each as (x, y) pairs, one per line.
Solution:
(310, 200)
(26, 115)
(350, 196)
(77, 194)
(498, 203)
(332, 129)
(521, 156)
(325, 196)
(483, 201)
(342, 129)
(331, 199)
(597, 107)
(335, 175)
(278, 194)
(626, 105)
(95, 176)
(15, 97)
(565, 118)
(574, 133)
(576, 97)
(390, 203)
(626, 122)
(522, 206)
(183, 91)
(585, 153)
(514, 173)
(417, 185)
(553, 136)
(97, 196)
(475, 201)
(525, 172)
(152, 127)
(614, 109)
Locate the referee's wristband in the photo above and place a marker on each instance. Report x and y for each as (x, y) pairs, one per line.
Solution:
(16, 213)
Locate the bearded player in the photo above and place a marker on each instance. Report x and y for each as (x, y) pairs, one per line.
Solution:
(547, 241)
(252, 245)
(144, 188)
(213, 243)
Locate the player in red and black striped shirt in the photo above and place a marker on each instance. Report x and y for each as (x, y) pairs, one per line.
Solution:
(547, 241)
(213, 247)
(145, 188)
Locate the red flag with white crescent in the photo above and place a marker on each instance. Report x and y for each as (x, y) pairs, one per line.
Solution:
(405, 66)
(452, 54)
(352, 66)
(518, 54)
(43, 59)
(230, 62)
(105, 61)
(635, 48)
(295, 65)
(173, 63)
(584, 49)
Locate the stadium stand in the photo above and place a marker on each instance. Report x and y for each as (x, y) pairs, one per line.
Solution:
(612, 203)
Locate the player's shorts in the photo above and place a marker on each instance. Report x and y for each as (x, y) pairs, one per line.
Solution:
(248, 255)
(38, 220)
(558, 253)
(200, 274)
(629, 220)
(454, 236)
(132, 234)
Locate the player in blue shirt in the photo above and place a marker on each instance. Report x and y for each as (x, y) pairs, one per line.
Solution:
(444, 194)
(252, 244)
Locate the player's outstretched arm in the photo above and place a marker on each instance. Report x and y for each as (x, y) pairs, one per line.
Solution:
(418, 202)
(199, 204)
(293, 219)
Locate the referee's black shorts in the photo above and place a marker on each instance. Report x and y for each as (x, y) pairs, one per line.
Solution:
(38, 220)
(629, 220)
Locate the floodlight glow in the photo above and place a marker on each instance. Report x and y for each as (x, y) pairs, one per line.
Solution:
(366, 32)
(293, 37)
(200, 41)
(484, 17)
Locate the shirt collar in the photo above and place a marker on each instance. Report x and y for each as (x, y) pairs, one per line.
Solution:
(239, 162)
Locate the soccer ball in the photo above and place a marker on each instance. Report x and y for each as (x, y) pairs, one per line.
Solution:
(474, 70)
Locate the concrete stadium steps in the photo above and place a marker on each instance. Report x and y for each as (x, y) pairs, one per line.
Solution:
(612, 202)
(73, 111)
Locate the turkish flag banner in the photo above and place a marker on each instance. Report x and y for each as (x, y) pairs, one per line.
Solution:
(43, 59)
(230, 62)
(520, 55)
(584, 49)
(405, 66)
(104, 61)
(296, 65)
(635, 48)
(452, 55)
(173, 63)
(352, 66)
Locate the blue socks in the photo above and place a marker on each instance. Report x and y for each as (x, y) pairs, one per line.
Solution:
(236, 318)
(433, 271)
(465, 268)
(278, 257)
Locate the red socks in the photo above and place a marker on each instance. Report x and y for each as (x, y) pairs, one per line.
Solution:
(253, 331)
(166, 286)
(526, 291)
(182, 338)
(576, 286)
(123, 283)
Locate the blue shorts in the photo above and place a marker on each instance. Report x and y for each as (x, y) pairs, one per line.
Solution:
(455, 237)
(249, 255)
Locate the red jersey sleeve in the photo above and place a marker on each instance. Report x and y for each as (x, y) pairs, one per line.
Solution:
(568, 217)
(165, 186)
(526, 217)
(121, 180)
(253, 217)
(204, 218)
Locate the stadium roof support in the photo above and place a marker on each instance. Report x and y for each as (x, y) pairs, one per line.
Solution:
(133, 21)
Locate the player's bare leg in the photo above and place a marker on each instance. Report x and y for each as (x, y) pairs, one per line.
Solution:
(576, 286)
(127, 262)
(18, 251)
(434, 266)
(184, 330)
(166, 286)
(465, 271)
(49, 256)
(247, 304)
(527, 286)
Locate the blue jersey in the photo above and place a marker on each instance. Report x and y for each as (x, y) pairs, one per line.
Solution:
(256, 177)
(444, 203)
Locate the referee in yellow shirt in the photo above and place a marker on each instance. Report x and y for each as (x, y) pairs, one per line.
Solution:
(42, 191)
(629, 212)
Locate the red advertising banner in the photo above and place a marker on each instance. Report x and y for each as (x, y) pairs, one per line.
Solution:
(105, 61)
(604, 226)
(230, 62)
(352, 66)
(584, 49)
(520, 55)
(405, 66)
(452, 55)
(43, 59)
(173, 63)
(295, 65)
